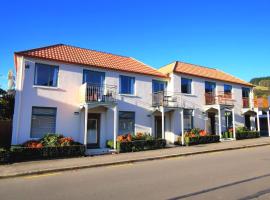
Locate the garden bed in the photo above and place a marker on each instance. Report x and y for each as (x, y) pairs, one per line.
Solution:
(201, 139)
(242, 133)
(138, 142)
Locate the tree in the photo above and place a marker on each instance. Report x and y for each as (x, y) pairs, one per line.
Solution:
(6, 105)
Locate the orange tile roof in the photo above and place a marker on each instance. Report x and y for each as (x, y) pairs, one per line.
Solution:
(199, 71)
(81, 56)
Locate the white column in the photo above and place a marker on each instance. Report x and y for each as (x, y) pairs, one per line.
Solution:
(268, 123)
(219, 122)
(233, 121)
(115, 125)
(85, 123)
(163, 122)
(258, 121)
(182, 126)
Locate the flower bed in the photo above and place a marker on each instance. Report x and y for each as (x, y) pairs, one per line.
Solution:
(243, 133)
(138, 142)
(50, 146)
(196, 136)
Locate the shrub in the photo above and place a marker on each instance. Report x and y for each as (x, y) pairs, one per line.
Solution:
(137, 145)
(201, 139)
(244, 133)
(51, 140)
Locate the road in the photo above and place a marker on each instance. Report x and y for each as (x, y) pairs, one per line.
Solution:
(239, 174)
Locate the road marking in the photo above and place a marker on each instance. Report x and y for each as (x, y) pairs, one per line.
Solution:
(42, 175)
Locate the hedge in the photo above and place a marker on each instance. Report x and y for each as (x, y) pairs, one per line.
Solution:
(241, 135)
(138, 145)
(17, 153)
(201, 139)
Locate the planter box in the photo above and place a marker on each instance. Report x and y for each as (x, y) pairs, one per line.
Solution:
(241, 135)
(138, 145)
(201, 140)
(4, 156)
(17, 154)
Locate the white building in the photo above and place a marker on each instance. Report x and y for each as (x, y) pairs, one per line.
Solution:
(94, 96)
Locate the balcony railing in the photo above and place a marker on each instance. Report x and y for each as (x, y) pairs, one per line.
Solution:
(261, 102)
(166, 99)
(220, 98)
(91, 93)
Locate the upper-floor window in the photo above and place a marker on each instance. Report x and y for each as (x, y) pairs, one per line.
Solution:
(127, 84)
(43, 121)
(210, 87)
(245, 92)
(186, 85)
(227, 89)
(158, 86)
(46, 75)
(93, 77)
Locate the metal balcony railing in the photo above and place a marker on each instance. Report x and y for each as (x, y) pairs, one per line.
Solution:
(246, 102)
(221, 98)
(166, 99)
(92, 93)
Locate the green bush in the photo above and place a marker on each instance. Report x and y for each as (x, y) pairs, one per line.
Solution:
(138, 145)
(4, 156)
(201, 139)
(241, 135)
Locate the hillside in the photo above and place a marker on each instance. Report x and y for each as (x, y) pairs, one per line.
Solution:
(262, 86)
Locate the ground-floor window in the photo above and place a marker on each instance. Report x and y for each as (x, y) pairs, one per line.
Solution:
(188, 119)
(126, 122)
(228, 119)
(43, 121)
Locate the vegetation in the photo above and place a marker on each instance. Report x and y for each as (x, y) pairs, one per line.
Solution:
(262, 86)
(244, 133)
(6, 105)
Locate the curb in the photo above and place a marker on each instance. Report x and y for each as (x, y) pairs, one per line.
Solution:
(129, 161)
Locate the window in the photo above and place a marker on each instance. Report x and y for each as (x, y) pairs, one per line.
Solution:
(126, 122)
(227, 89)
(228, 119)
(245, 92)
(210, 87)
(46, 75)
(93, 77)
(127, 85)
(158, 86)
(188, 119)
(186, 85)
(43, 121)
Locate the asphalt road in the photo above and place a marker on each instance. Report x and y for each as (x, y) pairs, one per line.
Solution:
(239, 174)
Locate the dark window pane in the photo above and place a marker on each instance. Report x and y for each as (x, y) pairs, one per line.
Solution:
(188, 119)
(43, 121)
(245, 92)
(210, 87)
(126, 122)
(46, 75)
(93, 77)
(127, 85)
(186, 85)
(158, 86)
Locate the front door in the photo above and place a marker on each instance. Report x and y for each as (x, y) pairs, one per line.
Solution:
(212, 123)
(247, 122)
(93, 130)
(158, 127)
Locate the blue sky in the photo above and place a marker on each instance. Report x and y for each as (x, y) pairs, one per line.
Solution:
(232, 35)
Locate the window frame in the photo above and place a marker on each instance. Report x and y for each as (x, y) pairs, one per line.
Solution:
(134, 122)
(42, 107)
(120, 85)
(191, 85)
(192, 119)
(89, 70)
(159, 82)
(210, 82)
(56, 67)
(246, 89)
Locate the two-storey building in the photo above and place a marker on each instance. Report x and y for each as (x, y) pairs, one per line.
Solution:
(94, 96)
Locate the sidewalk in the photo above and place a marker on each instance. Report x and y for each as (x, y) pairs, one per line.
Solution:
(46, 166)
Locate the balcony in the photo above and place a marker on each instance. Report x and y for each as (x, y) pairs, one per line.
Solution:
(246, 103)
(220, 98)
(166, 99)
(91, 93)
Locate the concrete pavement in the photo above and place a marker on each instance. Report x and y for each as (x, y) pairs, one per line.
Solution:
(48, 166)
(242, 174)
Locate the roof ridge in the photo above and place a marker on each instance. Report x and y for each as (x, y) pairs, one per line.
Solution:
(95, 50)
(40, 48)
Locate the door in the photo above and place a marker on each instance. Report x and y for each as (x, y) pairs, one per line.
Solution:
(212, 123)
(158, 127)
(247, 121)
(93, 130)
